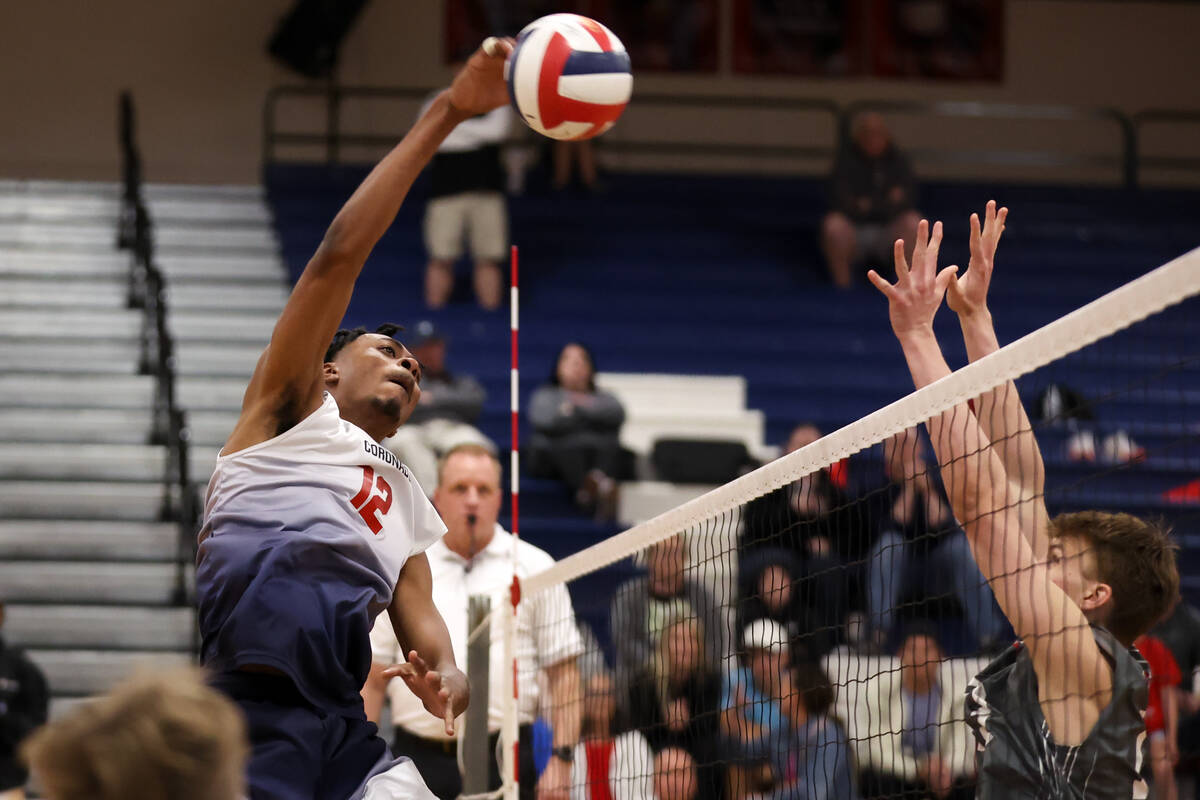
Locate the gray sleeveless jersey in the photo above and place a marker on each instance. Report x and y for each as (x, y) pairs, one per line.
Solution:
(1017, 756)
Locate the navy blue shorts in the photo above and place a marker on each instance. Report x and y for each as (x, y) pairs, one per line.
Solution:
(300, 752)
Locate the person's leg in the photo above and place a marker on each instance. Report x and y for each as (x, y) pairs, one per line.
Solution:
(838, 244)
(445, 222)
(1161, 769)
(954, 560)
(437, 766)
(585, 152)
(904, 226)
(561, 156)
(886, 565)
(487, 229)
(286, 756)
(354, 754)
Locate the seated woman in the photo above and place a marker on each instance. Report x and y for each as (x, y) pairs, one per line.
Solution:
(675, 702)
(575, 432)
(770, 590)
(813, 761)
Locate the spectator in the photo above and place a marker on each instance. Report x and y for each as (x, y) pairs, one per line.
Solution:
(922, 705)
(575, 432)
(446, 415)
(566, 156)
(752, 723)
(873, 197)
(922, 525)
(675, 701)
(1180, 632)
(814, 522)
(608, 765)
(475, 557)
(674, 775)
(23, 703)
(1162, 715)
(815, 761)
(770, 592)
(165, 736)
(466, 201)
(644, 606)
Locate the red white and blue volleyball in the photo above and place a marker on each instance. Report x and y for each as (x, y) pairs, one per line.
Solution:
(568, 76)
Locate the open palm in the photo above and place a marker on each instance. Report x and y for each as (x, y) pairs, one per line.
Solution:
(968, 294)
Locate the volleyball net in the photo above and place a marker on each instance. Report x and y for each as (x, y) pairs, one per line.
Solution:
(811, 629)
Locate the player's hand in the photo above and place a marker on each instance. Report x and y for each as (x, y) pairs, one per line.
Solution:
(444, 693)
(914, 298)
(555, 781)
(479, 86)
(968, 295)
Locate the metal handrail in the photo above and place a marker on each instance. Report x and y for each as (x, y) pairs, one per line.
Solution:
(979, 110)
(147, 292)
(334, 138)
(1165, 116)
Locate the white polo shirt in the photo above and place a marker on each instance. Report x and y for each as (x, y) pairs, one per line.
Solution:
(546, 632)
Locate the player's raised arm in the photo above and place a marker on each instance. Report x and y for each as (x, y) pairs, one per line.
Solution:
(1074, 681)
(287, 381)
(999, 411)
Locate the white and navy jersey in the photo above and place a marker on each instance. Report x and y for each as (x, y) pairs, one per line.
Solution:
(1016, 754)
(303, 539)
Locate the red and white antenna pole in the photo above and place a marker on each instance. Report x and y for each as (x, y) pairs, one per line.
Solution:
(511, 722)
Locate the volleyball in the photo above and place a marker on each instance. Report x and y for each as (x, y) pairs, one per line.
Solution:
(568, 77)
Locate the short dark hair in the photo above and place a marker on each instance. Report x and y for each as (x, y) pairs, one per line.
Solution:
(816, 692)
(345, 337)
(1136, 559)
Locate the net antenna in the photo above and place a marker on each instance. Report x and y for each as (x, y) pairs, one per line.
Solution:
(509, 731)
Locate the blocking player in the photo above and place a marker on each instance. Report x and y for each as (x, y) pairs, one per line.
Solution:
(311, 528)
(1059, 715)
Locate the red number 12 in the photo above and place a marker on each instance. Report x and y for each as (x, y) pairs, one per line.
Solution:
(371, 506)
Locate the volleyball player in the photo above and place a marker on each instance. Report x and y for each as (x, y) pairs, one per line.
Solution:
(1058, 715)
(311, 528)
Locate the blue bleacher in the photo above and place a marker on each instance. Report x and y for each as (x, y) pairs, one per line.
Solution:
(719, 275)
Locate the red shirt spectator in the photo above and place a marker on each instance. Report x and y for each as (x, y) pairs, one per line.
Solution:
(1164, 674)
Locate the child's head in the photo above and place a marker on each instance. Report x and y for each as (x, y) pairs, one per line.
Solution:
(1120, 570)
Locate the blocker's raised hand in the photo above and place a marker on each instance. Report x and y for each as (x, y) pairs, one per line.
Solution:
(479, 86)
(914, 299)
(968, 294)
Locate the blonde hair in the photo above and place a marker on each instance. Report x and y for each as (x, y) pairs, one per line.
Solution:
(165, 736)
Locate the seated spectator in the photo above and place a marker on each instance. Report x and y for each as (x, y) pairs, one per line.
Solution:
(1162, 715)
(575, 432)
(674, 775)
(814, 762)
(752, 723)
(770, 592)
(923, 709)
(676, 699)
(446, 414)
(467, 203)
(820, 530)
(644, 606)
(24, 700)
(1180, 632)
(163, 736)
(872, 205)
(921, 525)
(608, 764)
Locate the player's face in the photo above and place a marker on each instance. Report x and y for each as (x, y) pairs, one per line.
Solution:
(376, 377)
(469, 489)
(1071, 567)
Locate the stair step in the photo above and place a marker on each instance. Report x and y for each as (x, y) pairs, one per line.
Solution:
(92, 293)
(224, 269)
(85, 672)
(80, 356)
(100, 323)
(247, 327)
(31, 539)
(265, 299)
(110, 426)
(82, 462)
(88, 582)
(53, 390)
(109, 266)
(104, 627)
(85, 500)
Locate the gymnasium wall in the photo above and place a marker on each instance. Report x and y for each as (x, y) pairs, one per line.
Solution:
(199, 73)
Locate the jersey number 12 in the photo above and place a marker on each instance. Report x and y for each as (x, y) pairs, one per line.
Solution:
(371, 505)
